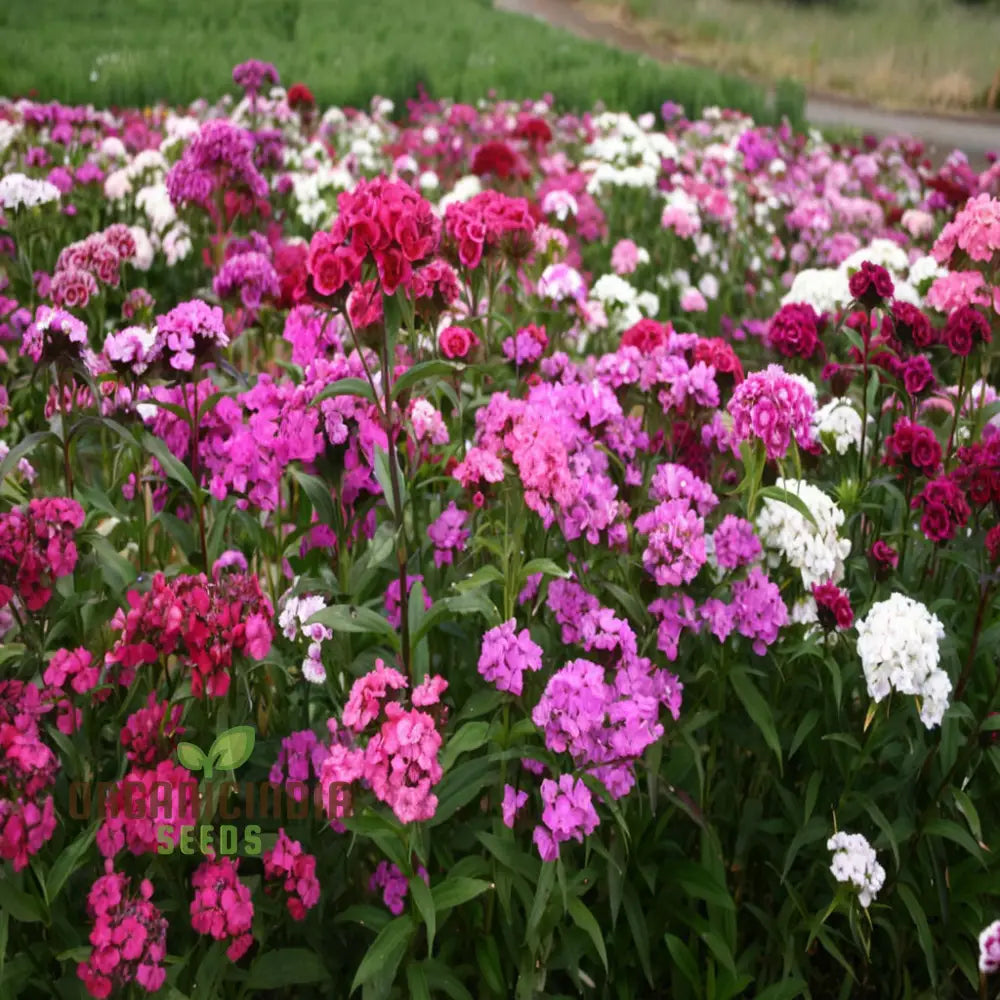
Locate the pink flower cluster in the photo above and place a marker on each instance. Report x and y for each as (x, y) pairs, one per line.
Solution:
(222, 907)
(129, 937)
(27, 770)
(974, 232)
(151, 733)
(54, 335)
(385, 220)
(568, 813)
(399, 762)
(449, 534)
(143, 801)
(96, 260)
(190, 333)
(37, 547)
(290, 870)
(489, 222)
(774, 408)
(202, 622)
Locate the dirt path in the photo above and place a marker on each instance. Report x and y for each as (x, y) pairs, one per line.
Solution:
(974, 136)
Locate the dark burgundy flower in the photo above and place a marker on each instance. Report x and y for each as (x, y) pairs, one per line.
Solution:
(918, 376)
(833, 606)
(910, 325)
(871, 285)
(495, 158)
(882, 559)
(794, 330)
(966, 327)
(993, 545)
(943, 509)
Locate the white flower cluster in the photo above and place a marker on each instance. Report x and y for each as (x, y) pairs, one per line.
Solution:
(294, 615)
(898, 645)
(838, 425)
(825, 290)
(20, 191)
(816, 550)
(623, 305)
(625, 154)
(855, 862)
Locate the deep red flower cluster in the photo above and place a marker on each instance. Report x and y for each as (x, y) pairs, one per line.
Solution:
(833, 606)
(943, 509)
(202, 621)
(883, 559)
(129, 937)
(966, 327)
(871, 285)
(300, 98)
(27, 770)
(646, 335)
(978, 471)
(381, 220)
(37, 547)
(719, 353)
(794, 330)
(912, 447)
(500, 160)
(486, 222)
(910, 325)
(993, 545)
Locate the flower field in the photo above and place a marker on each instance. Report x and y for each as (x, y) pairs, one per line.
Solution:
(487, 551)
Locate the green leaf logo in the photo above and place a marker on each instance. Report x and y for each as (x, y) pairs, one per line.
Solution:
(191, 756)
(230, 750)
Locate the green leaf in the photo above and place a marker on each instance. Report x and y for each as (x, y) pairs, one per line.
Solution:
(586, 921)
(546, 566)
(22, 906)
(275, 969)
(383, 475)
(386, 951)
(355, 618)
(456, 890)
(758, 709)
(950, 830)
(171, 465)
(66, 863)
(924, 936)
(422, 370)
(232, 748)
(319, 495)
(421, 895)
(471, 736)
(488, 962)
(684, 960)
(785, 497)
(346, 387)
(23, 447)
(542, 893)
(968, 810)
(191, 756)
(640, 932)
(788, 989)
(416, 982)
(117, 571)
(482, 577)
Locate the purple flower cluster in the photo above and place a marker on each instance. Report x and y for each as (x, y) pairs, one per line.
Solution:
(218, 159)
(251, 275)
(448, 533)
(506, 654)
(568, 814)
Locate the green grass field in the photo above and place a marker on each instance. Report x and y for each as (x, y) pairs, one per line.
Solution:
(135, 52)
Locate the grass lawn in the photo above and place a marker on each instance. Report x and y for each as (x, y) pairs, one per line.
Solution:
(110, 52)
(927, 54)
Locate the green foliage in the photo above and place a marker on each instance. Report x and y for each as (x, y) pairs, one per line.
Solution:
(121, 53)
